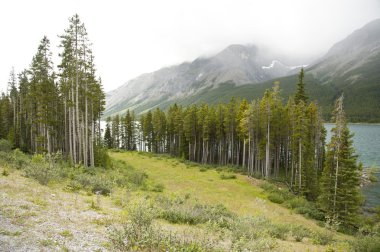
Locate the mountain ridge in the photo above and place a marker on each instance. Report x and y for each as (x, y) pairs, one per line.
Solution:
(351, 66)
(240, 64)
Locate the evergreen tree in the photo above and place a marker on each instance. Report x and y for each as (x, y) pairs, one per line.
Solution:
(340, 190)
(107, 134)
(301, 93)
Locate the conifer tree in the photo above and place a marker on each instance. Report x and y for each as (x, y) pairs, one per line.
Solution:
(340, 193)
(107, 134)
(301, 93)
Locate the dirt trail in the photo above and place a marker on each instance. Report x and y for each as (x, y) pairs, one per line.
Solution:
(41, 218)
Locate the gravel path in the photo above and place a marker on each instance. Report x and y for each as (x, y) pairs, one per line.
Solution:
(42, 218)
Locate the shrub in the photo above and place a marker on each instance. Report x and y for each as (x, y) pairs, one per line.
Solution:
(137, 178)
(366, 244)
(300, 232)
(38, 159)
(296, 202)
(227, 176)
(157, 187)
(276, 198)
(40, 170)
(101, 186)
(5, 145)
(373, 178)
(139, 233)
(180, 210)
(20, 160)
(5, 172)
(252, 234)
(102, 159)
(319, 238)
(74, 186)
(268, 187)
(310, 211)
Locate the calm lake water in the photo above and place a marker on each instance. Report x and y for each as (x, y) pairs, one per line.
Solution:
(367, 145)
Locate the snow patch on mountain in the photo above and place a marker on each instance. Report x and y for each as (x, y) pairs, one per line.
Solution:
(280, 64)
(271, 65)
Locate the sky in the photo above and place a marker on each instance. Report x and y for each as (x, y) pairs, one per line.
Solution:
(135, 37)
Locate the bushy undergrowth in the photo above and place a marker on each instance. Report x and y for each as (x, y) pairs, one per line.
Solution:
(184, 210)
(5, 146)
(227, 176)
(247, 233)
(299, 204)
(50, 168)
(140, 233)
(366, 244)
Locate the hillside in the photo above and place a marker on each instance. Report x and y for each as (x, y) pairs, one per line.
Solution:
(57, 217)
(351, 67)
(241, 64)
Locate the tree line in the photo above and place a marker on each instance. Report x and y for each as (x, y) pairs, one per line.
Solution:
(267, 137)
(45, 111)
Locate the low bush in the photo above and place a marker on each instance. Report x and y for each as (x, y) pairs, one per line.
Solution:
(139, 233)
(182, 210)
(5, 145)
(300, 205)
(101, 186)
(227, 176)
(252, 234)
(276, 198)
(366, 244)
(311, 211)
(320, 238)
(296, 202)
(268, 187)
(300, 232)
(157, 187)
(373, 178)
(41, 170)
(74, 186)
(5, 172)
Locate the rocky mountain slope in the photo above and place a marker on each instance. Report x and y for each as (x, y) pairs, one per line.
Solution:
(237, 63)
(351, 66)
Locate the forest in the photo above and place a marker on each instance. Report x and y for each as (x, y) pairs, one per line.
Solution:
(47, 112)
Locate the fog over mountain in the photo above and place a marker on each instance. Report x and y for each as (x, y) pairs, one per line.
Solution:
(135, 37)
(351, 66)
(351, 58)
(238, 64)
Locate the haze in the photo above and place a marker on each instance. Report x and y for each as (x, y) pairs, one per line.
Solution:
(134, 37)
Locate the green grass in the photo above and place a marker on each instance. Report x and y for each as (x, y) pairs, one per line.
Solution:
(200, 199)
(206, 186)
(239, 194)
(194, 207)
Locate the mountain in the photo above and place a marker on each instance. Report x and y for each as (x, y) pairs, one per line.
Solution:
(351, 67)
(236, 64)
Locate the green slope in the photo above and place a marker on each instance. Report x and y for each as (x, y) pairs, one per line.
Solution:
(362, 93)
(362, 97)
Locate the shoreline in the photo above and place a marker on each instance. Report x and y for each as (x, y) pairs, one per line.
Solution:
(358, 123)
(369, 176)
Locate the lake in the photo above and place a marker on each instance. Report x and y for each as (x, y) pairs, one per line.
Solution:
(367, 144)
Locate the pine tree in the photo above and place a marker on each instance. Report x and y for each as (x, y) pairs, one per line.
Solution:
(300, 93)
(81, 93)
(340, 193)
(107, 134)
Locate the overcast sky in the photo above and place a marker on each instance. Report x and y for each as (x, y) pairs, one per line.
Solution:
(134, 37)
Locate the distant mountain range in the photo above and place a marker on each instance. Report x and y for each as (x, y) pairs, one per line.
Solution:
(351, 66)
